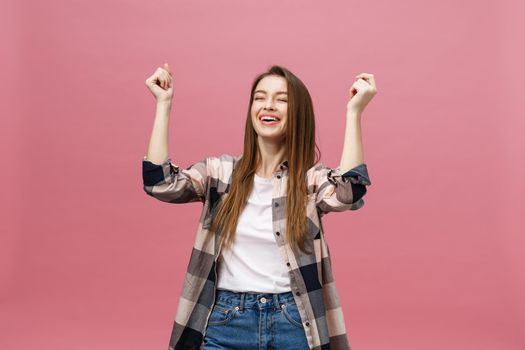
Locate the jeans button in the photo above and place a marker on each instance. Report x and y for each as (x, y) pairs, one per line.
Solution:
(263, 300)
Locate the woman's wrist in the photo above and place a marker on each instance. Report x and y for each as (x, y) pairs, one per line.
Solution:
(164, 104)
(351, 113)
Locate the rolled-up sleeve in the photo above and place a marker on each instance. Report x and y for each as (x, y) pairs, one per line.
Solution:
(337, 191)
(167, 182)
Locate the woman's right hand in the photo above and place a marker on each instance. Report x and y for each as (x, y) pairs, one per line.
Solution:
(160, 83)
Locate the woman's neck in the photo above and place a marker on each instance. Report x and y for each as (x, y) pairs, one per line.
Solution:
(272, 155)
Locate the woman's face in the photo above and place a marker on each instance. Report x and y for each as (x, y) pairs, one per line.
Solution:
(270, 100)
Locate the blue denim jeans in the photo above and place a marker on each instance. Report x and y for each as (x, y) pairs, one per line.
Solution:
(249, 321)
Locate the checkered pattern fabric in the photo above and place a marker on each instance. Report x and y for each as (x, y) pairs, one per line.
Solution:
(311, 279)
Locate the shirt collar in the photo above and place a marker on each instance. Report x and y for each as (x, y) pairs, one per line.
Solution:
(283, 165)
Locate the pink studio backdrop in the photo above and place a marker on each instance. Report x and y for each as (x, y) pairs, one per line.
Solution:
(434, 260)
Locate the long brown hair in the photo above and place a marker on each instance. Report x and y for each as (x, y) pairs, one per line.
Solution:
(301, 155)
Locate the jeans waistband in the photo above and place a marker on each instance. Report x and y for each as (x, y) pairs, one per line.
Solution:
(247, 299)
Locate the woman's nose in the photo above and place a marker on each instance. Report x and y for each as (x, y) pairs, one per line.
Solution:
(269, 104)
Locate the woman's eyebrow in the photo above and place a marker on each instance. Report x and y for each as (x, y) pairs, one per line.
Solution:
(277, 93)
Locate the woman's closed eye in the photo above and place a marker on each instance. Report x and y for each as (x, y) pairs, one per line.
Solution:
(260, 98)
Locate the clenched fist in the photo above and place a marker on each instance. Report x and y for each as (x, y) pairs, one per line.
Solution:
(361, 92)
(160, 83)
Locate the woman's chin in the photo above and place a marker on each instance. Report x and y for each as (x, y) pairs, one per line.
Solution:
(271, 137)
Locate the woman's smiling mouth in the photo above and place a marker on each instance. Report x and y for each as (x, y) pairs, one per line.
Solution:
(268, 119)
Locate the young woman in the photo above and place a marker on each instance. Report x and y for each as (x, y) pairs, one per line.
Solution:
(260, 275)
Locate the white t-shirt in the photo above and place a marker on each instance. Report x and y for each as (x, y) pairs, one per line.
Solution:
(254, 263)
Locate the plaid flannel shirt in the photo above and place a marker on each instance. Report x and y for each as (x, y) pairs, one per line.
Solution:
(311, 279)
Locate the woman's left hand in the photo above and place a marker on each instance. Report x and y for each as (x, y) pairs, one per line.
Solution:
(361, 92)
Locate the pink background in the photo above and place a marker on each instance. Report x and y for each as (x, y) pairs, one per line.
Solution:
(433, 261)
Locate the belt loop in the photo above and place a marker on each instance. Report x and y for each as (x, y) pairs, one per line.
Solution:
(242, 301)
(276, 301)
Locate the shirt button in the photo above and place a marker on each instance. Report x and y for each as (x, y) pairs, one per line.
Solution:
(278, 176)
(276, 204)
(297, 293)
(287, 264)
(307, 323)
(277, 233)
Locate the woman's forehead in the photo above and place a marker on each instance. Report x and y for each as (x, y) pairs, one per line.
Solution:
(272, 84)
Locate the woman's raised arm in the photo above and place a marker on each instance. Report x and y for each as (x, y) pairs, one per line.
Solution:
(160, 83)
(163, 179)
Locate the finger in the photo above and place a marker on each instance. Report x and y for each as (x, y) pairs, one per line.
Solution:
(369, 77)
(366, 86)
(167, 68)
(162, 71)
(360, 86)
(170, 78)
(354, 88)
(364, 81)
(166, 72)
(373, 81)
(162, 77)
(154, 79)
(363, 85)
(165, 75)
(166, 78)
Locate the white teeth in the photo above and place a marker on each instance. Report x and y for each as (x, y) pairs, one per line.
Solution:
(269, 119)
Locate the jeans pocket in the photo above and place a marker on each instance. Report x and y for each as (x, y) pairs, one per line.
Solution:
(291, 313)
(222, 313)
